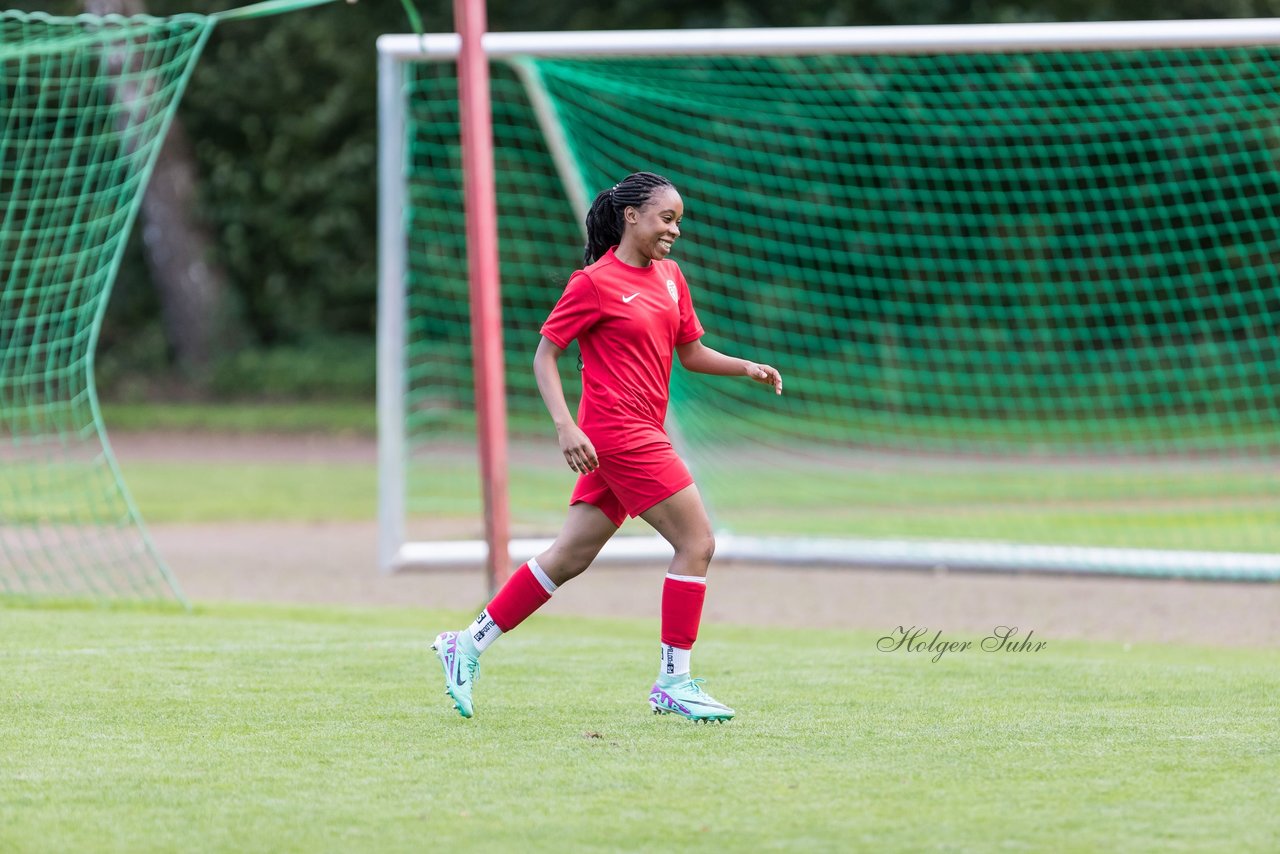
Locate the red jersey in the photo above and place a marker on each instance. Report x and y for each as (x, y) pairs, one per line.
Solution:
(628, 321)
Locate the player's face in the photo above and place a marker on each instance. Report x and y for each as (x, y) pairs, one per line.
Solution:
(653, 228)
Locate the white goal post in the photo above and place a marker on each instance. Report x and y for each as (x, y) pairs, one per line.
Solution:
(396, 551)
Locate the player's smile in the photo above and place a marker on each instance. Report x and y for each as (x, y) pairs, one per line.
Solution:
(657, 224)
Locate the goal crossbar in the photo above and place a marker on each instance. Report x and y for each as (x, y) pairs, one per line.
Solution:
(947, 38)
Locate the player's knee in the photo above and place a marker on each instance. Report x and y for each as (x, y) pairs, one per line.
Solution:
(571, 560)
(700, 548)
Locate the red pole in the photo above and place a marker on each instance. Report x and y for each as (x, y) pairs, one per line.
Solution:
(482, 261)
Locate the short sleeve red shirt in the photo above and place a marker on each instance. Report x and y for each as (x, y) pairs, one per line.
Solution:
(628, 321)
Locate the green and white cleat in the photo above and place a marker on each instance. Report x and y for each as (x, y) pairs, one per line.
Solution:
(460, 670)
(684, 696)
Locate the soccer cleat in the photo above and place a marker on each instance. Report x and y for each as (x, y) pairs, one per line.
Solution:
(460, 671)
(684, 696)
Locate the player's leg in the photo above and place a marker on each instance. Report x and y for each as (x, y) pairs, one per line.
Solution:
(584, 534)
(586, 529)
(682, 520)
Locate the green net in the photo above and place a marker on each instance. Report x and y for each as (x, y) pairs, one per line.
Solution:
(84, 104)
(1017, 298)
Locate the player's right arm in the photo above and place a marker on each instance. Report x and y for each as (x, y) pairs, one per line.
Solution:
(578, 451)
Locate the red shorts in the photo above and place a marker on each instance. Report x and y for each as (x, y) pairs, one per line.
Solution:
(629, 482)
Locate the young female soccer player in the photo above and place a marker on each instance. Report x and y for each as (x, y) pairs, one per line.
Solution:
(629, 309)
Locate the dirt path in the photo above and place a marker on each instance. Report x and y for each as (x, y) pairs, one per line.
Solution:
(334, 563)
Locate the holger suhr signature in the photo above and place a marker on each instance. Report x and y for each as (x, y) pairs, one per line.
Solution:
(918, 639)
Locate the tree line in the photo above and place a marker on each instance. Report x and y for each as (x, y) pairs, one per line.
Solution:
(276, 143)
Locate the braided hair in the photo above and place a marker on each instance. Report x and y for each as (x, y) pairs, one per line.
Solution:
(605, 220)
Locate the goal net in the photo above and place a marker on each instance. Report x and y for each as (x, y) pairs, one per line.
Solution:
(1019, 279)
(85, 103)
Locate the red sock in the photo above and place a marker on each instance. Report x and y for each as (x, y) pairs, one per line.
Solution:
(519, 597)
(681, 611)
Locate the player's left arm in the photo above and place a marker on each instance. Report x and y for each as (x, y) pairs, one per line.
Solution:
(701, 359)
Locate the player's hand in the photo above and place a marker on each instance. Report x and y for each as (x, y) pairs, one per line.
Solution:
(766, 374)
(578, 451)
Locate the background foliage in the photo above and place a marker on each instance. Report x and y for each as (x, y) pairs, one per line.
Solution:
(283, 116)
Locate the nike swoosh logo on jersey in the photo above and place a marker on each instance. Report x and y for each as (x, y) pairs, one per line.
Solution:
(630, 298)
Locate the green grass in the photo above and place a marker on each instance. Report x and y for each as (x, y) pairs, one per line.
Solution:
(356, 417)
(228, 492)
(193, 491)
(309, 729)
(1112, 509)
(1199, 504)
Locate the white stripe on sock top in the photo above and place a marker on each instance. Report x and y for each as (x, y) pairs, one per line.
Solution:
(543, 579)
(696, 579)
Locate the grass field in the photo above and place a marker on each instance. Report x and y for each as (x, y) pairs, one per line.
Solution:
(253, 728)
(1196, 504)
(261, 728)
(352, 417)
(1113, 509)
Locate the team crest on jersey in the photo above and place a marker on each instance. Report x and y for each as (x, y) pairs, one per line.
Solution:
(671, 289)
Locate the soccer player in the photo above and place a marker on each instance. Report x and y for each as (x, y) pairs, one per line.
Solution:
(629, 309)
